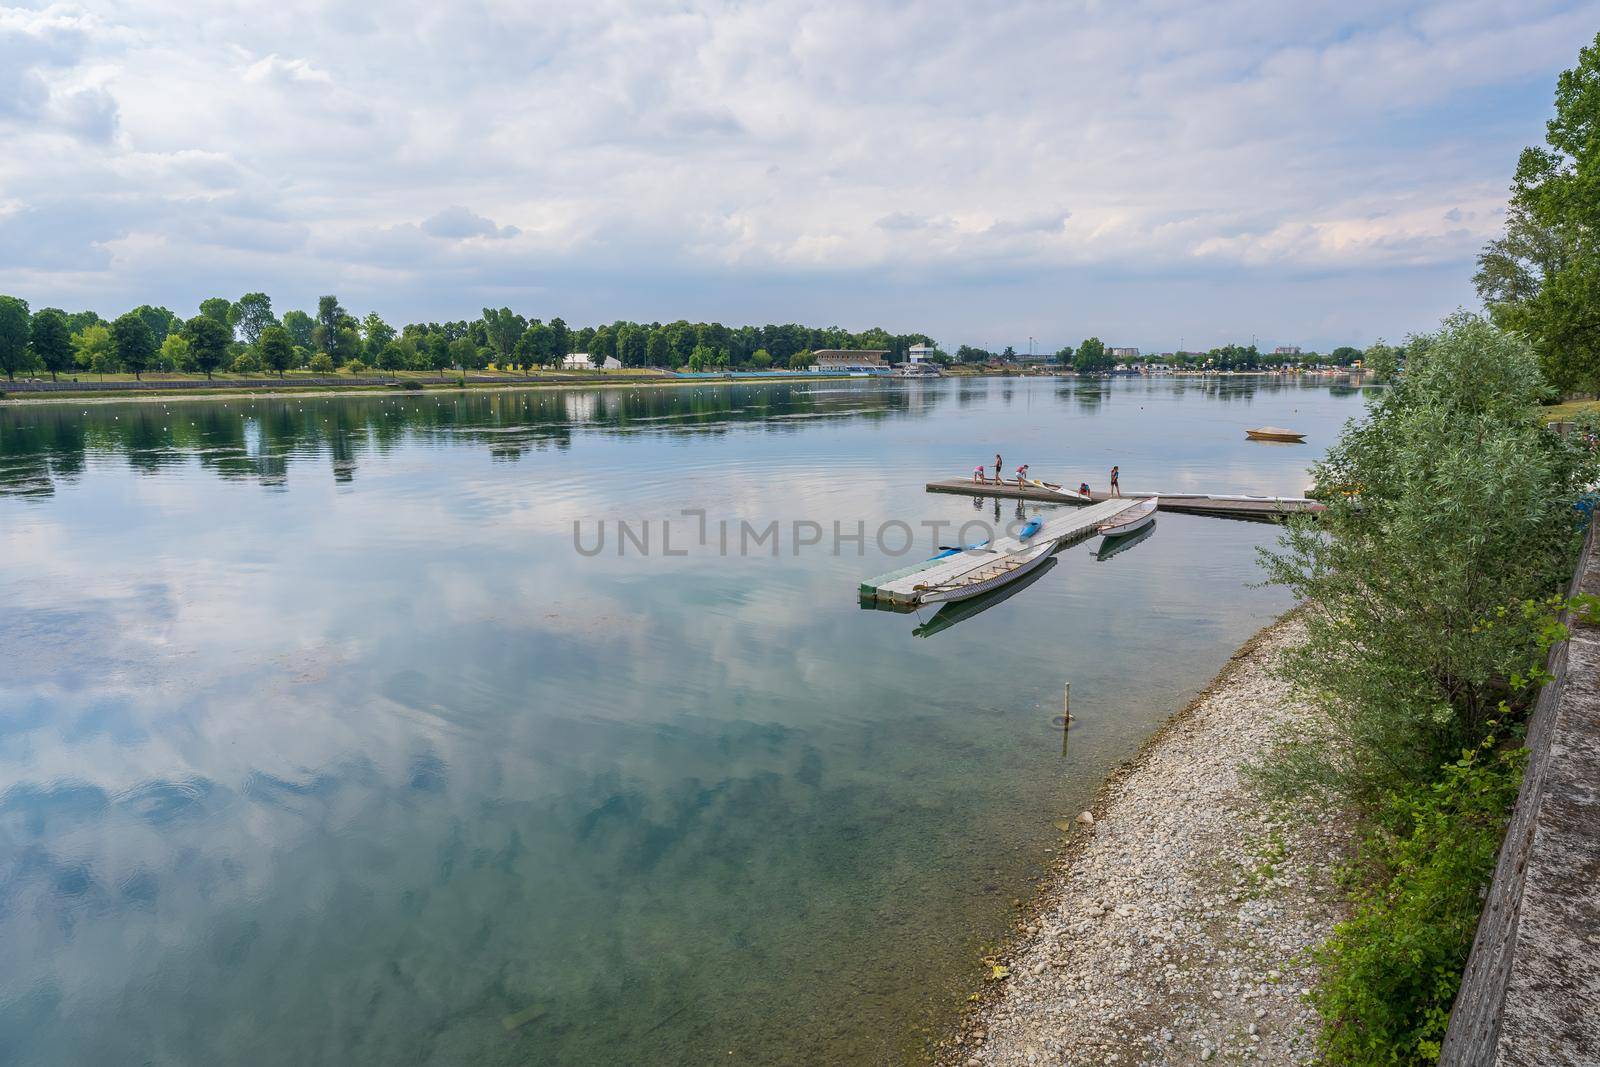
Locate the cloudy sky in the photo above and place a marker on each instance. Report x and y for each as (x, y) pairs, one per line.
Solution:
(1151, 171)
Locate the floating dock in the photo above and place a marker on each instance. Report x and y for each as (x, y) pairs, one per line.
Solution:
(1066, 528)
(1248, 508)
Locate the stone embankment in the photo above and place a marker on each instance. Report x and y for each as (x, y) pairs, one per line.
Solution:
(1177, 926)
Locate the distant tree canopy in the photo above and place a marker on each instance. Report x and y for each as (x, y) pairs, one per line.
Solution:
(1092, 357)
(245, 333)
(1542, 278)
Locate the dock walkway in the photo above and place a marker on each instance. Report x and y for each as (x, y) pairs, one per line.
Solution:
(901, 586)
(1249, 508)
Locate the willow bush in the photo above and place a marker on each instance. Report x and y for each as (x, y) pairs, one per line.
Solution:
(1431, 585)
(1450, 521)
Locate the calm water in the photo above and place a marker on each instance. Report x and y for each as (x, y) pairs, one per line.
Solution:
(320, 743)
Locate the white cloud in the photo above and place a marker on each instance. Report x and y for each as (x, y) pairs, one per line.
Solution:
(782, 160)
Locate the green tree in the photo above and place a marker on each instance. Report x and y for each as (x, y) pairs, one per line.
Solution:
(300, 327)
(94, 350)
(438, 351)
(504, 329)
(560, 338)
(392, 357)
(761, 359)
(136, 345)
(1092, 357)
(160, 321)
(252, 315)
(77, 320)
(208, 342)
(1449, 508)
(175, 354)
(276, 348)
(321, 363)
(1382, 360)
(347, 345)
(1344, 355)
(246, 361)
(657, 350)
(378, 336)
(51, 340)
(1543, 277)
(15, 322)
(220, 310)
(330, 317)
(1064, 355)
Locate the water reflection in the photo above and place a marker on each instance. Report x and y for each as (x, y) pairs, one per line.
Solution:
(42, 445)
(319, 743)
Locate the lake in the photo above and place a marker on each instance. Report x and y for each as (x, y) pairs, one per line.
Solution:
(323, 738)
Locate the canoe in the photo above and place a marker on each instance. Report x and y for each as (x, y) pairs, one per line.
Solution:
(946, 551)
(1274, 433)
(1135, 518)
(962, 610)
(1051, 487)
(988, 575)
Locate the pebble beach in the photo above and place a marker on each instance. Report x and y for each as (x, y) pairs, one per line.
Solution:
(1176, 926)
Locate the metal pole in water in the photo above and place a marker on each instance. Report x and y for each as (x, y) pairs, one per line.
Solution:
(1066, 717)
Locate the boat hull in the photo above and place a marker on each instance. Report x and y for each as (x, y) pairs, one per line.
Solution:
(966, 590)
(1276, 435)
(1135, 518)
(1111, 530)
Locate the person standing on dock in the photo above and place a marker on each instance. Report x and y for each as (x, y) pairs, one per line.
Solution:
(997, 477)
(1115, 489)
(1022, 474)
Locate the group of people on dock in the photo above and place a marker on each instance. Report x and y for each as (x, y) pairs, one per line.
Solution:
(980, 476)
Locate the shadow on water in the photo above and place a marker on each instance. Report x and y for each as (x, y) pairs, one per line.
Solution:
(961, 610)
(1111, 546)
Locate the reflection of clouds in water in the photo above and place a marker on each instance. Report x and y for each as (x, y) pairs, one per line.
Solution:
(368, 768)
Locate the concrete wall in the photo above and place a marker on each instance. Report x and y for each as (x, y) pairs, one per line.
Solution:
(1531, 993)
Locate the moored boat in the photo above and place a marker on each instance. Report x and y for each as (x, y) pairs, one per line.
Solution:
(1135, 518)
(1051, 487)
(991, 574)
(1275, 433)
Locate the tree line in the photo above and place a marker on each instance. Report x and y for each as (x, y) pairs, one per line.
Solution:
(246, 336)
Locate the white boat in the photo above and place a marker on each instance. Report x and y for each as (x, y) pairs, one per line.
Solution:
(1135, 518)
(991, 574)
(1059, 490)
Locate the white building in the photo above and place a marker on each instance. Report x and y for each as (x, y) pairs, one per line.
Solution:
(1286, 350)
(577, 361)
(1124, 353)
(920, 353)
(611, 363)
(850, 361)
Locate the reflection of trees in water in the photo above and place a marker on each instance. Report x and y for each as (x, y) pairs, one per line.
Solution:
(257, 440)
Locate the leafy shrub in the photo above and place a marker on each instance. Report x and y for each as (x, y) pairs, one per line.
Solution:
(321, 363)
(1447, 508)
(355, 366)
(1390, 973)
(246, 363)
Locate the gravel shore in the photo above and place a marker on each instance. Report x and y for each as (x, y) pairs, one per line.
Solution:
(1176, 926)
